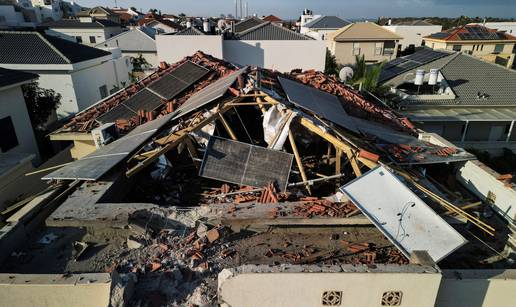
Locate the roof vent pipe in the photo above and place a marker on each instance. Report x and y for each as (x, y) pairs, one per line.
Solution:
(432, 80)
(206, 26)
(188, 24)
(420, 76)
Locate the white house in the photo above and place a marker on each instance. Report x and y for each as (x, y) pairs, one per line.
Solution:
(81, 74)
(134, 43)
(412, 32)
(257, 44)
(320, 27)
(18, 14)
(49, 9)
(87, 31)
(18, 147)
(307, 17)
(161, 25)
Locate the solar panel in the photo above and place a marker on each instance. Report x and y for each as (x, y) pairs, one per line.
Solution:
(245, 164)
(143, 100)
(213, 91)
(118, 112)
(440, 35)
(321, 103)
(178, 80)
(98, 163)
(405, 219)
(426, 55)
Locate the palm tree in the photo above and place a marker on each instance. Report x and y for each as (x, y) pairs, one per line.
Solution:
(366, 76)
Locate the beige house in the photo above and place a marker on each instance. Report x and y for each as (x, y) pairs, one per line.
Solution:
(372, 41)
(477, 40)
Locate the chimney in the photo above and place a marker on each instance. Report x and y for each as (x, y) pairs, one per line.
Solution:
(206, 26)
(188, 23)
(389, 23)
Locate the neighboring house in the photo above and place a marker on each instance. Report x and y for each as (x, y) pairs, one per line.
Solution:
(319, 28)
(508, 27)
(255, 42)
(133, 43)
(88, 32)
(485, 43)
(466, 100)
(372, 41)
(127, 16)
(13, 14)
(171, 17)
(161, 25)
(273, 19)
(15, 124)
(100, 12)
(306, 17)
(18, 147)
(412, 32)
(48, 9)
(81, 74)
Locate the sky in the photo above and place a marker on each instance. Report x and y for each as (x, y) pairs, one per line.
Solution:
(352, 9)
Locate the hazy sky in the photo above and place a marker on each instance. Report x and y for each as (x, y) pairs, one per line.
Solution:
(343, 8)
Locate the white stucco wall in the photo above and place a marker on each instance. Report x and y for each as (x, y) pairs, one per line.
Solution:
(151, 57)
(276, 54)
(62, 83)
(88, 81)
(13, 104)
(100, 34)
(413, 35)
(172, 48)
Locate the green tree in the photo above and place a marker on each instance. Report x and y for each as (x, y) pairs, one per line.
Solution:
(139, 63)
(366, 76)
(331, 66)
(40, 103)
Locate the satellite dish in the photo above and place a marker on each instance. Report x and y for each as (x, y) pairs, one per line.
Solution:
(346, 73)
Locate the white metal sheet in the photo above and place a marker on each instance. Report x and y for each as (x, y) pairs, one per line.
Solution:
(407, 221)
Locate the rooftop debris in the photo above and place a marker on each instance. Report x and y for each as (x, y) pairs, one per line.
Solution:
(249, 210)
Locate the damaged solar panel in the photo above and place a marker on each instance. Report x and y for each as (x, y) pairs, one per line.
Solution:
(98, 163)
(178, 80)
(406, 220)
(318, 102)
(245, 164)
(213, 91)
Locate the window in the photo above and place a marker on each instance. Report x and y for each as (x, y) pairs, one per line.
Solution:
(378, 48)
(93, 40)
(457, 47)
(78, 39)
(356, 48)
(388, 48)
(498, 48)
(8, 140)
(103, 91)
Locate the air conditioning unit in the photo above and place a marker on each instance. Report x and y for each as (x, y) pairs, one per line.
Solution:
(104, 134)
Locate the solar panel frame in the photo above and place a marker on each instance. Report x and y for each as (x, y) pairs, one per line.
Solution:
(208, 94)
(245, 164)
(119, 112)
(95, 165)
(178, 80)
(318, 102)
(143, 100)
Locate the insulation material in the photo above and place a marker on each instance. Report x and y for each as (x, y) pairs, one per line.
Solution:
(407, 221)
(276, 124)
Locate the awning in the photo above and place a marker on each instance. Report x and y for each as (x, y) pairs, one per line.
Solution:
(462, 114)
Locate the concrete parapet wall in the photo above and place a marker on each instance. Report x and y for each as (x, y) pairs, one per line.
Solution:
(307, 285)
(88, 290)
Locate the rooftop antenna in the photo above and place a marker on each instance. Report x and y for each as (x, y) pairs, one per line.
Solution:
(236, 9)
(246, 9)
(241, 11)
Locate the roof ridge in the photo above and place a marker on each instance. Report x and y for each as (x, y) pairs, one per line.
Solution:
(43, 39)
(274, 25)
